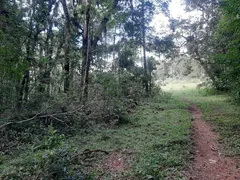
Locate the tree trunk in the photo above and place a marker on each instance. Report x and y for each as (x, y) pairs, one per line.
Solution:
(86, 50)
(144, 49)
(85, 54)
(66, 48)
(46, 79)
(114, 55)
(24, 87)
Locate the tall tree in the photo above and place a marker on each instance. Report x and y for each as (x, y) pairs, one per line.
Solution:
(227, 39)
(85, 50)
(90, 41)
(144, 45)
(138, 27)
(198, 34)
(67, 31)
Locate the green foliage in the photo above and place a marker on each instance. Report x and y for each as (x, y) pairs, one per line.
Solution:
(228, 40)
(47, 164)
(159, 96)
(126, 58)
(124, 85)
(131, 86)
(12, 63)
(123, 118)
(108, 82)
(219, 52)
(160, 134)
(137, 22)
(48, 158)
(163, 45)
(41, 54)
(159, 131)
(52, 140)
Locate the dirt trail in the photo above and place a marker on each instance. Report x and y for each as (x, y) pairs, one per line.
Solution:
(209, 163)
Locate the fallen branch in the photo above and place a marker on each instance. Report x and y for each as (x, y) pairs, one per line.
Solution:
(53, 116)
(88, 151)
(23, 121)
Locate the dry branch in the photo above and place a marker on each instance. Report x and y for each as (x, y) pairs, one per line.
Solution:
(53, 116)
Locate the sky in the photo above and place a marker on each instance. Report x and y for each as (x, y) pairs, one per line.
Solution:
(160, 21)
(177, 11)
(176, 8)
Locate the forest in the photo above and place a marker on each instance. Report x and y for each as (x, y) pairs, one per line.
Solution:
(82, 87)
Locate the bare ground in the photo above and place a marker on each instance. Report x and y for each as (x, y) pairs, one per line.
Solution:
(209, 163)
(116, 164)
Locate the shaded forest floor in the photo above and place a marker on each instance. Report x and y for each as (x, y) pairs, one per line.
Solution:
(155, 142)
(152, 143)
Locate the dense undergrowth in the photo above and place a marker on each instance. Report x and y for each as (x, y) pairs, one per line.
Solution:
(152, 141)
(221, 110)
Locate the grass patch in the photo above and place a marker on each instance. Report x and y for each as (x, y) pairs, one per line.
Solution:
(157, 136)
(158, 133)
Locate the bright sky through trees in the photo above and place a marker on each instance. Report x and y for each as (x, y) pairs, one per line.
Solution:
(177, 11)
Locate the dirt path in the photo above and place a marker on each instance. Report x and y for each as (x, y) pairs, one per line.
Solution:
(209, 163)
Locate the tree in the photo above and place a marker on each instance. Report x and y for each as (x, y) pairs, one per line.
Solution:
(67, 30)
(59, 43)
(12, 64)
(227, 37)
(198, 35)
(137, 28)
(90, 41)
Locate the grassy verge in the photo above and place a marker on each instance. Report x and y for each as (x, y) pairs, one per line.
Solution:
(158, 134)
(220, 110)
(155, 143)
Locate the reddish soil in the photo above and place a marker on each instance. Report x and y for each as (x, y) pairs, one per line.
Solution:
(116, 163)
(209, 163)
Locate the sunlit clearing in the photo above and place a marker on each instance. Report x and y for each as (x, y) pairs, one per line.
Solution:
(180, 86)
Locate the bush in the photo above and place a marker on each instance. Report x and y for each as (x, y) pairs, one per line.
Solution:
(48, 164)
(161, 96)
(124, 85)
(46, 159)
(52, 140)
